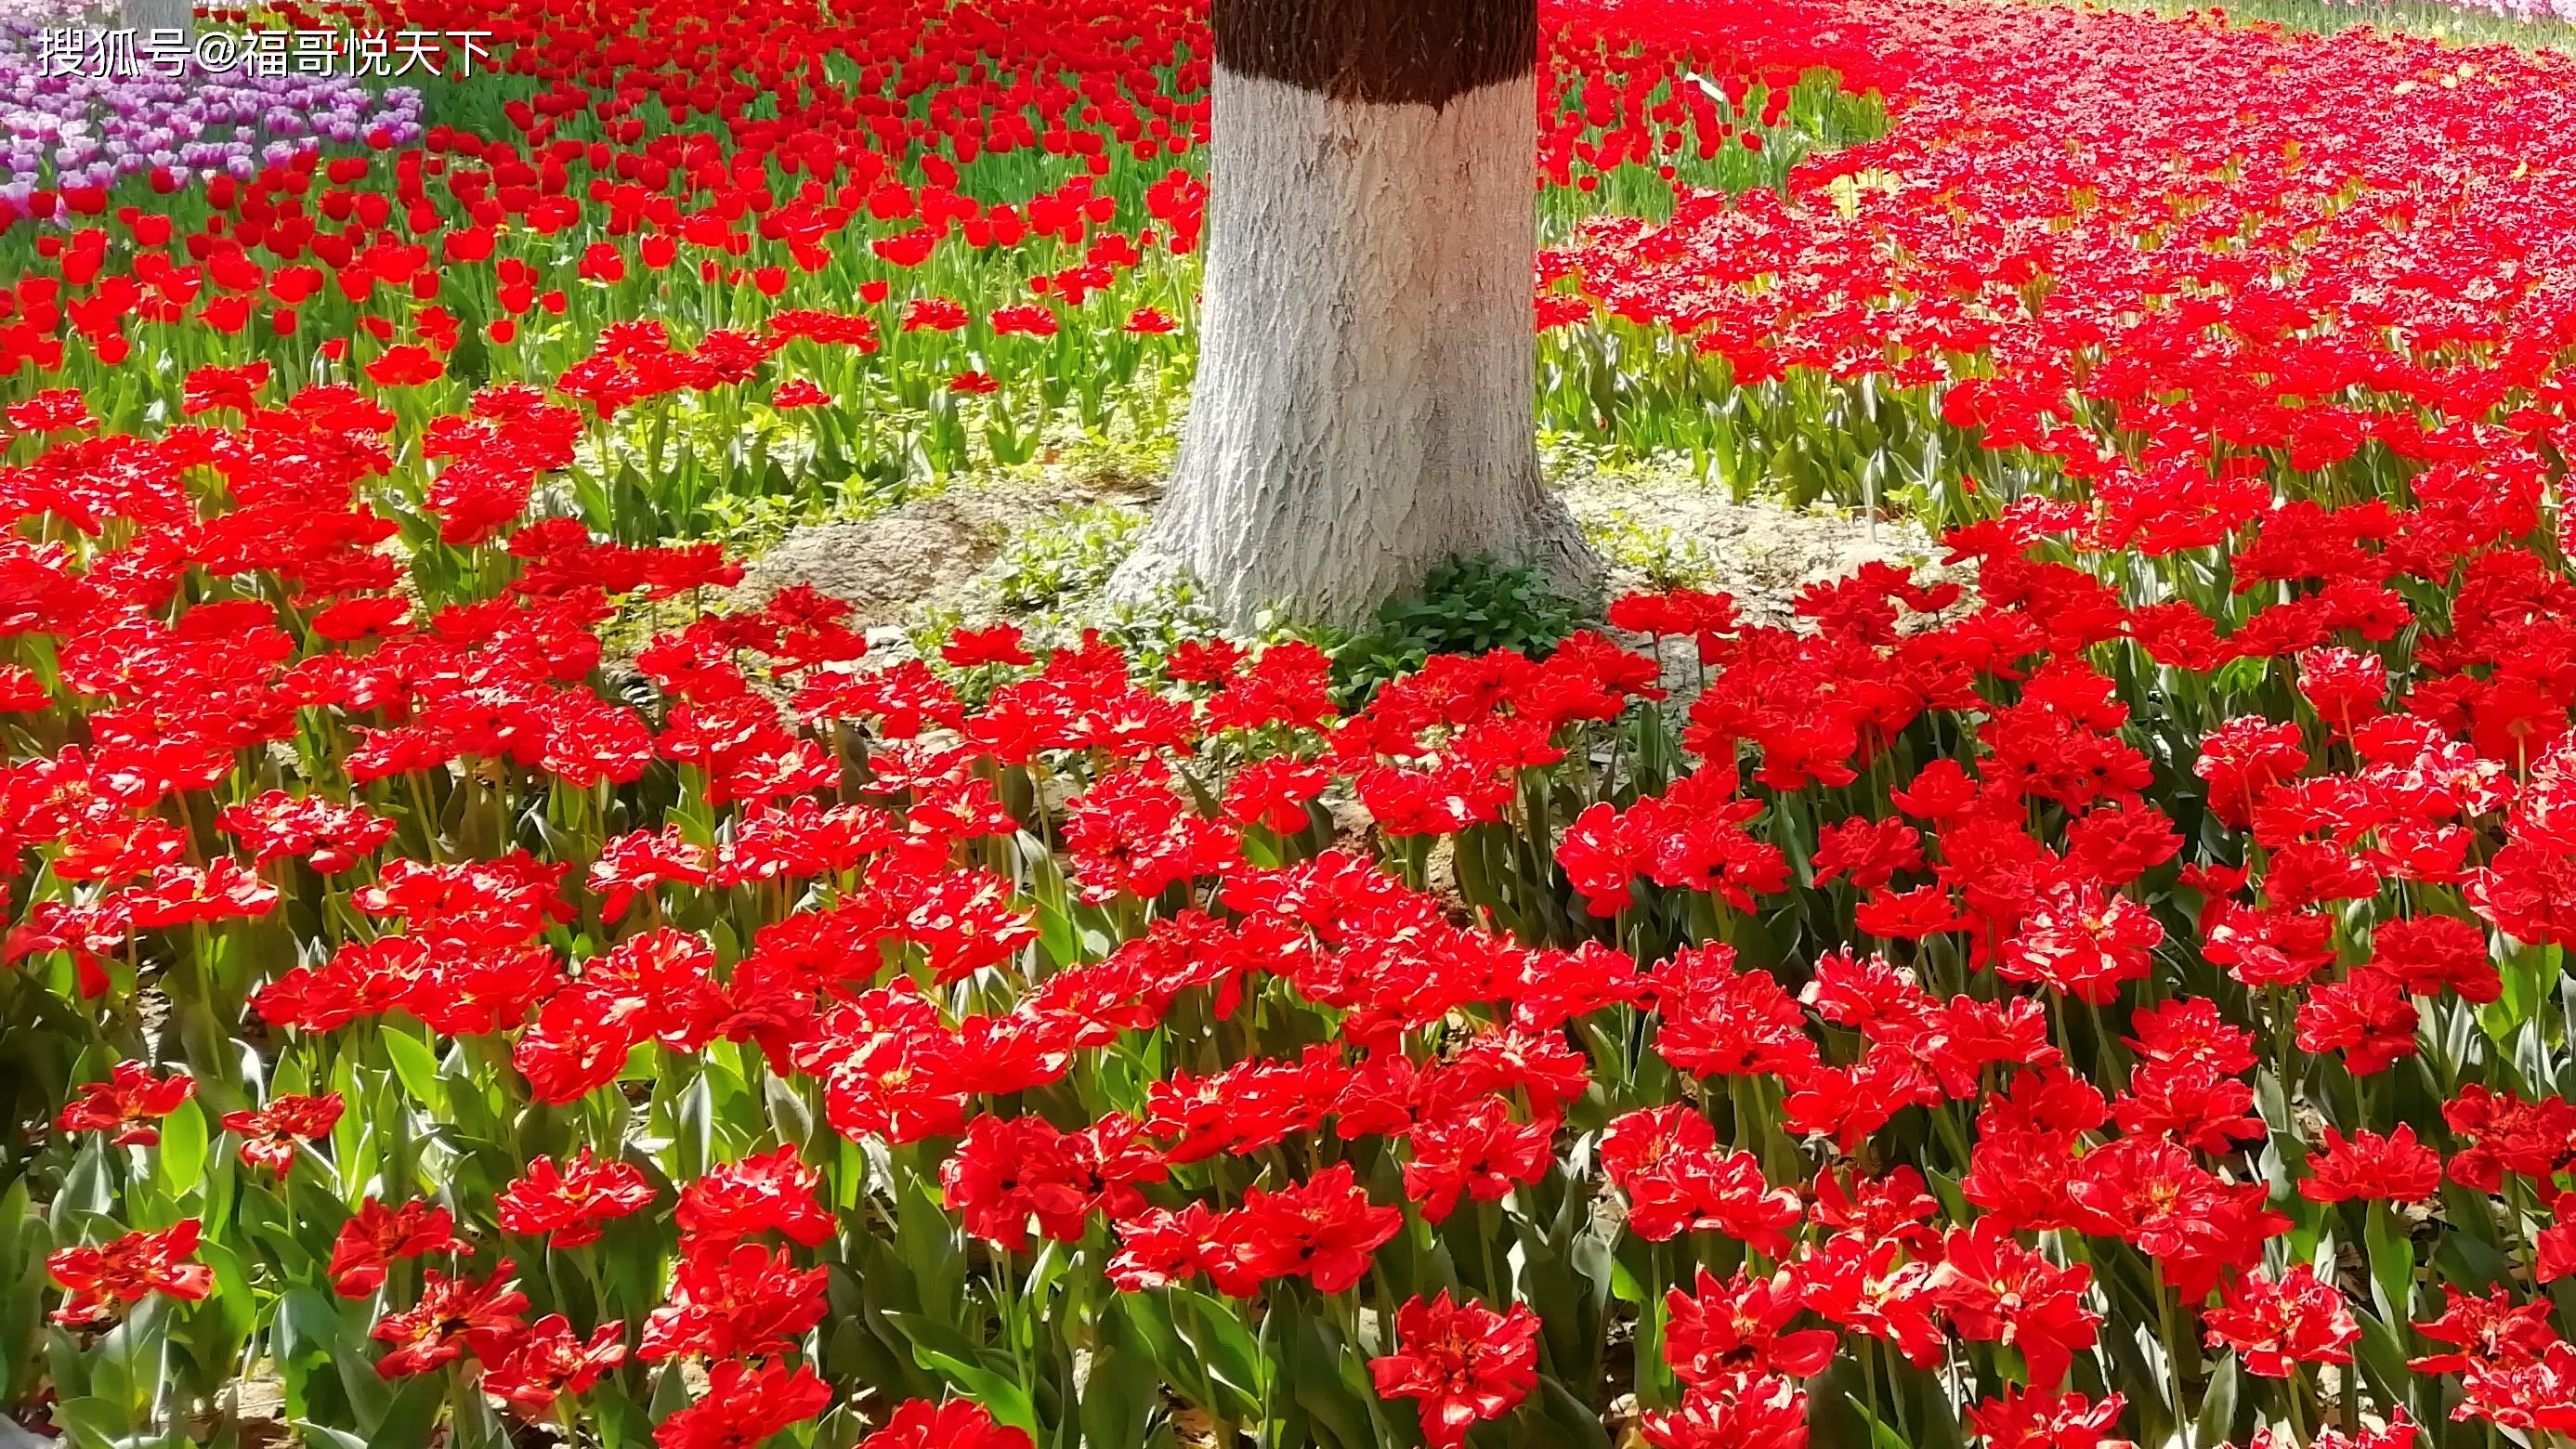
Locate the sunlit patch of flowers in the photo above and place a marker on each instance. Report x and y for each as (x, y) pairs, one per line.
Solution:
(2108, 990)
(835, 1025)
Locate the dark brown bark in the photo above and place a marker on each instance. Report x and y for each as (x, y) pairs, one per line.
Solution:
(1418, 52)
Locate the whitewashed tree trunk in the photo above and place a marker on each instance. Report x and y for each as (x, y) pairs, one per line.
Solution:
(1363, 410)
(146, 16)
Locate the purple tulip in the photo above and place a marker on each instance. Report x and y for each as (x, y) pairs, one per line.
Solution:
(70, 130)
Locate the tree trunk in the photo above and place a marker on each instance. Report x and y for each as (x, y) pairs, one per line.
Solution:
(1367, 358)
(146, 16)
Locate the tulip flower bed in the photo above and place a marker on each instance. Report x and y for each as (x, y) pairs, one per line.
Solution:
(931, 238)
(2110, 991)
(1995, 1011)
(2110, 285)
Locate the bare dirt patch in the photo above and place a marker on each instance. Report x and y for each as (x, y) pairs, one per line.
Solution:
(1654, 527)
(911, 554)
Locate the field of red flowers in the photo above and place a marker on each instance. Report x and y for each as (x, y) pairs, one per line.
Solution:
(2108, 990)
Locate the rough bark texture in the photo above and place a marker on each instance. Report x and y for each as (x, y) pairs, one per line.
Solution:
(146, 16)
(1367, 364)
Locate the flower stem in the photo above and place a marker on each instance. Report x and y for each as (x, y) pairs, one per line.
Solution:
(2173, 1355)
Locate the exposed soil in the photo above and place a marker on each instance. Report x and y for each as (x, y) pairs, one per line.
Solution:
(929, 550)
(1761, 552)
(910, 555)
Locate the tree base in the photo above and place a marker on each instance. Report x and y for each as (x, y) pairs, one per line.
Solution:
(1549, 541)
(1368, 359)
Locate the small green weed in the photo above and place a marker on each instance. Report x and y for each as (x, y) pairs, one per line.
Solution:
(1467, 606)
